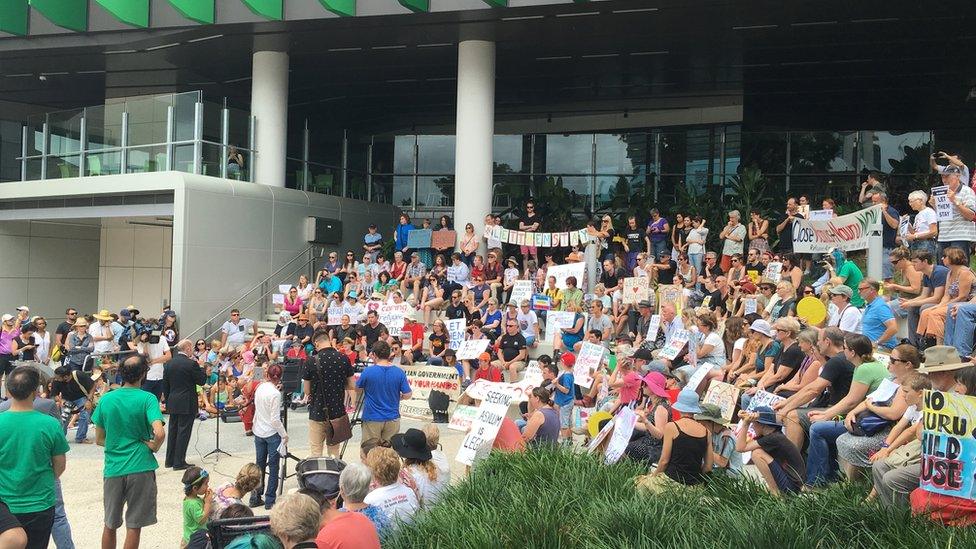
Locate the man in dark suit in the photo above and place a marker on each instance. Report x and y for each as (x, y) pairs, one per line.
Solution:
(181, 375)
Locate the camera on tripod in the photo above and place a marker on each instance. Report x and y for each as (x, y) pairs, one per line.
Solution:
(150, 327)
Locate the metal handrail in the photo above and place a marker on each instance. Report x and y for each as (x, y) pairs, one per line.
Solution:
(307, 253)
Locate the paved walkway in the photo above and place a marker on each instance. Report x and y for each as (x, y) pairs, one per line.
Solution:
(82, 480)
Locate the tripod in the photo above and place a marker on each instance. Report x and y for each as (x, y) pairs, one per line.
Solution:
(220, 412)
(356, 419)
(287, 455)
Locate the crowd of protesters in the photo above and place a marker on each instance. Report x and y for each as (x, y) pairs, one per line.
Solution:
(847, 389)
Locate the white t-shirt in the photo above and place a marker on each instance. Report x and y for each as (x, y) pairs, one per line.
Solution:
(696, 234)
(912, 414)
(97, 329)
(237, 333)
(43, 343)
(717, 356)
(959, 228)
(511, 275)
(924, 219)
(430, 491)
(154, 351)
(739, 344)
(396, 500)
(527, 322)
(848, 320)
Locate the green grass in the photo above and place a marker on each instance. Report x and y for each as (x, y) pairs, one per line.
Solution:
(564, 500)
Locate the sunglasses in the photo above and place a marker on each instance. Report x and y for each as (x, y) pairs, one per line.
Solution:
(893, 359)
(807, 292)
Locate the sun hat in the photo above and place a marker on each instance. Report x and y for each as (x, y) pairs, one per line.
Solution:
(512, 260)
(942, 358)
(841, 290)
(763, 327)
(767, 416)
(81, 321)
(710, 412)
(687, 402)
(411, 444)
(103, 315)
(655, 383)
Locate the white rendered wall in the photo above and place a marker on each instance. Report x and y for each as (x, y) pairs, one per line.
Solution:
(134, 267)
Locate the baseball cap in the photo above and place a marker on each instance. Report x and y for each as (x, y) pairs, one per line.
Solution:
(767, 416)
(841, 290)
(23, 308)
(951, 170)
(645, 303)
(568, 359)
(762, 326)
(8, 317)
(484, 356)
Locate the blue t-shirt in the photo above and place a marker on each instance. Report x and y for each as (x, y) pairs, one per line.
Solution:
(494, 317)
(872, 321)
(560, 398)
(331, 285)
(937, 280)
(382, 387)
(370, 239)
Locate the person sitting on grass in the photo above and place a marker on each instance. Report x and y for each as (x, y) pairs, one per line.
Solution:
(778, 460)
(686, 456)
(653, 417)
(725, 458)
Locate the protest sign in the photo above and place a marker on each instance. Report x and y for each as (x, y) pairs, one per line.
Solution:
(600, 437)
(696, 378)
(574, 238)
(484, 428)
(392, 315)
(472, 349)
(335, 315)
(669, 293)
(845, 232)
(541, 302)
(522, 289)
(455, 331)
(678, 340)
(622, 430)
(504, 235)
(636, 289)
(556, 321)
(444, 240)
(949, 444)
(419, 238)
(653, 326)
(284, 288)
(547, 239)
(562, 272)
(423, 379)
(723, 395)
(463, 417)
(818, 215)
(749, 306)
(763, 398)
(943, 206)
(774, 271)
(589, 359)
(563, 239)
(278, 299)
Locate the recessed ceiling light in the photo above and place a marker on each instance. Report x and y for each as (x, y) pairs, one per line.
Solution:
(113, 52)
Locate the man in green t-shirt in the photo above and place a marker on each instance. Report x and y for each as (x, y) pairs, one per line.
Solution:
(32, 457)
(849, 273)
(129, 425)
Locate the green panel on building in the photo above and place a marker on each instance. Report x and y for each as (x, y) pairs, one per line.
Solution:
(269, 9)
(416, 5)
(201, 11)
(69, 14)
(13, 16)
(345, 8)
(497, 3)
(130, 12)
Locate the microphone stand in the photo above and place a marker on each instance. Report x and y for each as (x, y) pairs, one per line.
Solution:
(220, 417)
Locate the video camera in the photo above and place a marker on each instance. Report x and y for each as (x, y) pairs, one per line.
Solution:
(152, 328)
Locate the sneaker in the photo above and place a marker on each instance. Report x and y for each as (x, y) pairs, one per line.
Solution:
(256, 502)
(202, 416)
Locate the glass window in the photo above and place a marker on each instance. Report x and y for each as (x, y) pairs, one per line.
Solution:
(104, 163)
(324, 179)
(580, 185)
(213, 122)
(509, 190)
(33, 169)
(404, 147)
(147, 120)
(693, 151)
(621, 153)
(895, 152)
(149, 159)
(182, 158)
(211, 161)
(325, 146)
(435, 191)
(508, 152)
(64, 132)
(35, 136)
(356, 185)
(382, 188)
(238, 128)
(382, 155)
(567, 154)
(763, 150)
(435, 154)
(103, 124)
(184, 112)
(615, 191)
(294, 174)
(402, 190)
(733, 150)
(822, 152)
(62, 167)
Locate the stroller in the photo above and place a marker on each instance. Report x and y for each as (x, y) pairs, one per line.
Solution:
(320, 474)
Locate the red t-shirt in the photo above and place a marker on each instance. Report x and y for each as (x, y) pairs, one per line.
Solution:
(490, 373)
(397, 270)
(348, 531)
(416, 330)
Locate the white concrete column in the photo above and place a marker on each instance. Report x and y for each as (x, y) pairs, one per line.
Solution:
(269, 106)
(475, 130)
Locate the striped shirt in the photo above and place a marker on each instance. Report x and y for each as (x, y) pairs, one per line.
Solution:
(958, 228)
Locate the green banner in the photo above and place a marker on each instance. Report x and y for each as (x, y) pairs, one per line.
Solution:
(201, 11)
(269, 9)
(69, 14)
(416, 5)
(130, 12)
(345, 8)
(13, 16)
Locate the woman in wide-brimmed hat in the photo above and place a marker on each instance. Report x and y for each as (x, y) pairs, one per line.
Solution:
(686, 455)
(79, 344)
(417, 461)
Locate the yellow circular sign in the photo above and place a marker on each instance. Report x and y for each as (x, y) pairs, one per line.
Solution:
(593, 422)
(812, 310)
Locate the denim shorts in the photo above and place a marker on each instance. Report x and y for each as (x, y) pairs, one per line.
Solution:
(566, 416)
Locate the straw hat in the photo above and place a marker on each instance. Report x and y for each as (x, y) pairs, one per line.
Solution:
(103, 315)
(80, 321)
(942, 358)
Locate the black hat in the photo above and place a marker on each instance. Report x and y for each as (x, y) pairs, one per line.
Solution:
(411, 445)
